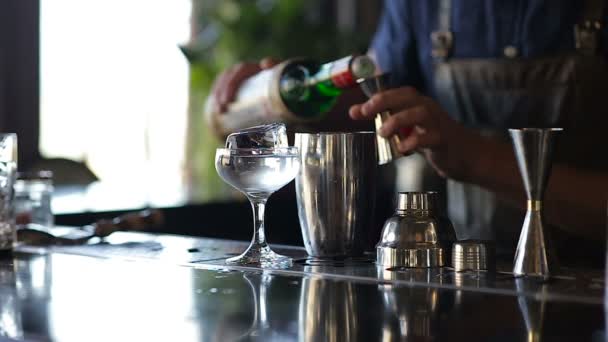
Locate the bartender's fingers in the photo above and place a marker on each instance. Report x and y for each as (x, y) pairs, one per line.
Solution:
(355, 112)
(418, 115)
(420, 138)
(393, 99)
(230, 81)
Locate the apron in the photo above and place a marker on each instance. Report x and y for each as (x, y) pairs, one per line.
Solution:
(492, 95)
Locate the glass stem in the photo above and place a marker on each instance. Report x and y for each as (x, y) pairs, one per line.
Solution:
(258, 205)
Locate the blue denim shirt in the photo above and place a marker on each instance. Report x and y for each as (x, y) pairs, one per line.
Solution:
(481, 29)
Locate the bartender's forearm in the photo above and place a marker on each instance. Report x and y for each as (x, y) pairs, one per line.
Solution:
(493, 166)
(575, 200)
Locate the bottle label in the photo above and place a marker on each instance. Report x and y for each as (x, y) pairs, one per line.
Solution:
(253, 105)
(341, 75)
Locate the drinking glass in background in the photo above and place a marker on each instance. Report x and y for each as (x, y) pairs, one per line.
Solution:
(8, 173)
(33, 193)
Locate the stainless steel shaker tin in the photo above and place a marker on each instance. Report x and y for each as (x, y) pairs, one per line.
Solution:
(335, 191)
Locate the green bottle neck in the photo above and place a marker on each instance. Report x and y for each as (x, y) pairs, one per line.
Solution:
(310, 89)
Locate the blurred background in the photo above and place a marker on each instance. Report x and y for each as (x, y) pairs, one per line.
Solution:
(109, 94)
(122, 84)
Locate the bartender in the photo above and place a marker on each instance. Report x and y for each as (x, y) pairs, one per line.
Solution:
(471, 69)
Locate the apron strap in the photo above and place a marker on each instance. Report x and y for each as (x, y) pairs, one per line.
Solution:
(442, 40)
(587, 30)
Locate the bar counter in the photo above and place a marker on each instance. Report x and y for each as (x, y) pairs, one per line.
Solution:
(148, 287)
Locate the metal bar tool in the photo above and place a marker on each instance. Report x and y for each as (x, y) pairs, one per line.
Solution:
(534, 150)
(387, 148)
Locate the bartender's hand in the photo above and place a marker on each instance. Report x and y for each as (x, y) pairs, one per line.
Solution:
(228, 82)
(446, 144)
(460, 153)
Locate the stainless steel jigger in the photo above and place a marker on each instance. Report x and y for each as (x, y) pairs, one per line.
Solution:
(387, 148)
(533, 150)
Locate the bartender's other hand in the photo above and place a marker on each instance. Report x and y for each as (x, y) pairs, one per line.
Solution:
(229, 81)
(444, 142)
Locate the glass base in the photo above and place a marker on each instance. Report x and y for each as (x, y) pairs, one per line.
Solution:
(261, 256)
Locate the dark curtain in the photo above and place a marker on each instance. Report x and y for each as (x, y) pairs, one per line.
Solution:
(19, 75)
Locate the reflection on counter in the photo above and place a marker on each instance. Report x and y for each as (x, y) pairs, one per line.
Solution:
(532, 311)
(25, 285)
(10, 308)
(64, 297)
(329, 311)
(413, 313)
(244, 306)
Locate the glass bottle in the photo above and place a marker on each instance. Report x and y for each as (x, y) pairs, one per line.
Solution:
(296, 90)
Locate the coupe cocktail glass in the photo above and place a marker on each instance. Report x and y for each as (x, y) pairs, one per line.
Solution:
(257, 173)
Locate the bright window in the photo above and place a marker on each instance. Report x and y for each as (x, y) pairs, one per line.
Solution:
(114, 86)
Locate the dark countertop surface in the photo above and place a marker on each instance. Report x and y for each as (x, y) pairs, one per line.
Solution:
(145, 287)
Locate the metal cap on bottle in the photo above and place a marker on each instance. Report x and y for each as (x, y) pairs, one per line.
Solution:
(362, 66)
(473, 255)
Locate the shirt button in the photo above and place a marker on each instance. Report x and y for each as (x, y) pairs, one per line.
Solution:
(510, 51)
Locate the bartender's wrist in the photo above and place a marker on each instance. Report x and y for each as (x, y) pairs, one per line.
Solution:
(476, 156)
(456, 156)
(492, 165)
